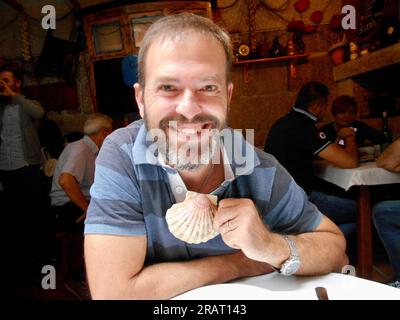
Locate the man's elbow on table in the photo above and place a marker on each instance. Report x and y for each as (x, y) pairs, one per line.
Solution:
(339, 157)
(113, 265)
(387, 164)
(111, 293)
(342, 259)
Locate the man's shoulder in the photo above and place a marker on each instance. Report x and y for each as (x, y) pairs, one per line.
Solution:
(126, 135)
(267, 160)
(289, 122)
(74, 149)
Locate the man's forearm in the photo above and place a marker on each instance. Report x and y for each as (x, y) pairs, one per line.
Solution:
(351, 146)
(75, 194)
(390, 158)
(321, 253)
(78, 199)
(34, 108)
(166, 280)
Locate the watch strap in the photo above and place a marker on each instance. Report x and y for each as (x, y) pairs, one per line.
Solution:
(292, 246)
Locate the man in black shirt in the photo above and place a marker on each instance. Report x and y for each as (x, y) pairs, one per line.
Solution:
(295, 141)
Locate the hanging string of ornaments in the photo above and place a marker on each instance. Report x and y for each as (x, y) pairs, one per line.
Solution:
(315, 18)
(298, 26)
(24, 26)
(295, 25)
(25, 41)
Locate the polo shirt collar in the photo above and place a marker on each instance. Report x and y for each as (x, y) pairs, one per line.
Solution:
(90, 143)
(237, 152)
(305, 112)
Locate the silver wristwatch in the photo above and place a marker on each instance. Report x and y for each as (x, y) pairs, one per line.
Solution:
(291, 265)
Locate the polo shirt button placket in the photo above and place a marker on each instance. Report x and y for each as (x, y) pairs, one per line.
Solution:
(179, 189)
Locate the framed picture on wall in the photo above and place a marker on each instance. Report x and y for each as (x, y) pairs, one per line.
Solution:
(140, 26)
(107, 37)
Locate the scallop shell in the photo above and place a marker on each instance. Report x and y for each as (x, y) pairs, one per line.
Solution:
(192, 220)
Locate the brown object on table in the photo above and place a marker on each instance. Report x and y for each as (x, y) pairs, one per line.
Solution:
(322, 294)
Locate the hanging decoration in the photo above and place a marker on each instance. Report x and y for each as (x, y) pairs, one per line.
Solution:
(252, 6)
(25, 24)
(277, 5)
(316, 16)
(301, 5)
(25, 39)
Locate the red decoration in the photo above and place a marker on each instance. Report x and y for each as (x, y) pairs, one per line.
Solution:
(336, 23)
(316, 16)
(309, 29)
(301, 5)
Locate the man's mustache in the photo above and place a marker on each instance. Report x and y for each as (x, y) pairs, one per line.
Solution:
(180, 120)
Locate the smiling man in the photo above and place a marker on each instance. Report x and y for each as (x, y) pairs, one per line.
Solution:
(264, 219)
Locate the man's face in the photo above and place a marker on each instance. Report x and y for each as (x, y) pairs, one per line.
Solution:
(345, 119)
(10, 80)
(186, 95)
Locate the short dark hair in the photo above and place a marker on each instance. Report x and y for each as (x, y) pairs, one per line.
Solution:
(342, 104)
(310, 93)
(14, 69)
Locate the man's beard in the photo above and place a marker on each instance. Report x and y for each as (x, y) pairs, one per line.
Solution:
(190, 155)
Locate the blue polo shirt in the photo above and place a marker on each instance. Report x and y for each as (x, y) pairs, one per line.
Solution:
(132, 192)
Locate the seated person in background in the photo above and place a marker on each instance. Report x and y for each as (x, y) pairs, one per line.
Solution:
(262, 215)
(295, 141)
(74, 173)
(386, 214)
(344, 112)
(72, 179)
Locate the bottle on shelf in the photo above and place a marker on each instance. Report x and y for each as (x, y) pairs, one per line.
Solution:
(387, 132)
(276, 50)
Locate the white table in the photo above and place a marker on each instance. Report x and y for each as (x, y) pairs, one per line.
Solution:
(367, 174)
(274, 286)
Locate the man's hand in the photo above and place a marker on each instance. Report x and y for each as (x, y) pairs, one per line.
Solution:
(345, 132)
(6, 90)
(81, 218)
(241, 227)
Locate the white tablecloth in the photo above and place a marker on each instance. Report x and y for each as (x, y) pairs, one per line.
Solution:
(366, 174)
(274, 286)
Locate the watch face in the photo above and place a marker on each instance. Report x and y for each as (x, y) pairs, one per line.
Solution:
(291, 267)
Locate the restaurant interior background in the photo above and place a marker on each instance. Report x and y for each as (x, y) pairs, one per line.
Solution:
(76, 69)
(264, 91)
